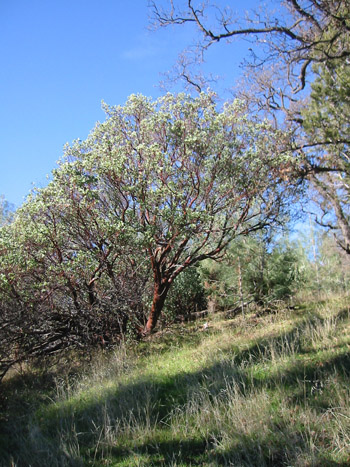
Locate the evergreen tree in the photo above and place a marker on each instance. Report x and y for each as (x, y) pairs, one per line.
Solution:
(326, 122)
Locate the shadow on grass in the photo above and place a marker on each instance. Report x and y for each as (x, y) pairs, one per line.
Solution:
(150, 402)
(252, 451)
(188, 452)
(266, 453)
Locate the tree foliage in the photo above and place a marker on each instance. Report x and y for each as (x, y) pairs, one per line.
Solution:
(186, 296)
(254, 270)
(326, 268)
(183, 179)
(291, 45)
(58, 288)
(326, 121)
(156, 188)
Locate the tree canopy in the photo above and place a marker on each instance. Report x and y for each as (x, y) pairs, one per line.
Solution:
(326, 122)
(162, 185)
(182, 179)
(294, 33)
(156, 188)
(301, 42)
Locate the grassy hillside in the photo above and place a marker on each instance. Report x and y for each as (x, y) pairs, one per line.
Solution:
(270, 389)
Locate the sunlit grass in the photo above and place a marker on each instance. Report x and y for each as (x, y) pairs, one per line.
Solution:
(257, 390)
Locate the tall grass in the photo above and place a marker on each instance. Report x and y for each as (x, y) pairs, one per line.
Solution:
(260, 391)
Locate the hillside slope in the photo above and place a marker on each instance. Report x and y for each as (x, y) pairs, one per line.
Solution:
(270, 389)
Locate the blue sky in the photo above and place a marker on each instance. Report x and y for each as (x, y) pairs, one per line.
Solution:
(60, 58)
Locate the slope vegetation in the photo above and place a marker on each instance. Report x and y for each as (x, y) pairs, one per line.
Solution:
(260, 390)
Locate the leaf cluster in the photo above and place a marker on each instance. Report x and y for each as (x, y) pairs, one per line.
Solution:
(156, 188)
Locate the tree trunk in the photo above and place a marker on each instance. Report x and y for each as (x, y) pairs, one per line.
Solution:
(160, 293)
(343, 224)
(240, 286)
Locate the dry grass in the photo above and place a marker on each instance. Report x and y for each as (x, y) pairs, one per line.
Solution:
(261, 390)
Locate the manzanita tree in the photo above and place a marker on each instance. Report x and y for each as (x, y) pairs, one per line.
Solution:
(156, 188)
(181, 179)
(67, 277)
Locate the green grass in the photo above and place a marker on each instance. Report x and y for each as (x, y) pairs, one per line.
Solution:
(269, 390)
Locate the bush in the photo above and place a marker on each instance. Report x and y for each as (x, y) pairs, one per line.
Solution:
(253, 271)
(186, 296)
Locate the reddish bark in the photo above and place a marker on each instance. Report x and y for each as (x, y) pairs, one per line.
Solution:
(160, 293)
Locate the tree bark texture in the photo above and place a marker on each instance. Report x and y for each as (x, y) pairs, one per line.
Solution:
(160, 293)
